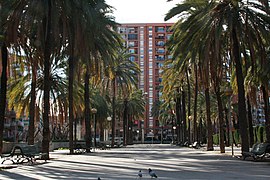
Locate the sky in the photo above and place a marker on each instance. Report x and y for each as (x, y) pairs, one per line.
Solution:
(141, 11)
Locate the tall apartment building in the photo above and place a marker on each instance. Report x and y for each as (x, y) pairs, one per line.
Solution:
(146, 42)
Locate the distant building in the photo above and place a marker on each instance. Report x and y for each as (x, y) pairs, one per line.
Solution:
(146, 42)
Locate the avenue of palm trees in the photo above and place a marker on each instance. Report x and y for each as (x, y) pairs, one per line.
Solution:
(66, 58)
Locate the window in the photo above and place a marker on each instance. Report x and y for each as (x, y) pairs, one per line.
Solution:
(131, 44)
(132, 36)
(170, 56)
(132, 58)
(132, 30)
(122, 30)
(160, 43)
(160, 29)
(131, 50)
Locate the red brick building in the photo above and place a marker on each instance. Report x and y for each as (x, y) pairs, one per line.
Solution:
(146, 42)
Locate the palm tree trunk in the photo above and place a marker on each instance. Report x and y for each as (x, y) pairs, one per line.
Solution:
(70, 97)
(266, 112)
(3, 92)
(209, 122)
(113, 111)
(31, 129)
(178, 117)
(221, 121)
(125, 119)
(195, 104)
(184, 116)
(250, 124)
(241, 93)
(189, 101)
(47, 82)
(88, 137)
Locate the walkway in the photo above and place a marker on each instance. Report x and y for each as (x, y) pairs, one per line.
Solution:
(169, 163)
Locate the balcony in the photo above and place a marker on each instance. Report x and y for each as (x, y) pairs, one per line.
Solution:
(169, 29)
(132, 37)
(132, 30)
(160, 58)
(160, 51)
(160, 37)
(160, 43)
(160, 29)
(133, 51)
(133, 44)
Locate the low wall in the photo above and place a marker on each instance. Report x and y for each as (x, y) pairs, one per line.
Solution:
(7, 146)
(56, 145)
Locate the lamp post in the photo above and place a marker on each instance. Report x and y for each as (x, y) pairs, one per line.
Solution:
(137, 135)
(142, 128)
(174, 128)
(189, 124)
(146, 115)
(228, 93)
(94, 111)
(109, 119)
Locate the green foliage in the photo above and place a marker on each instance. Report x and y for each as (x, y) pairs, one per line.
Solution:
(261, 134)
(216, 138)
(236, 138)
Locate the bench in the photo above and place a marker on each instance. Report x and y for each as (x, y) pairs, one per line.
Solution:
(258, 151)
(80, 148)
(24, 153)
(195, 145)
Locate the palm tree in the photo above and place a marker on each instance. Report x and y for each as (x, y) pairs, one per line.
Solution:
(4, 60)
(123, 74)
(104, 44)
(4, 53)
(230, 14)
(134, 105)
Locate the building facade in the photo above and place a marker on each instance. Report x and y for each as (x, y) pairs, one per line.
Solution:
(146, 43)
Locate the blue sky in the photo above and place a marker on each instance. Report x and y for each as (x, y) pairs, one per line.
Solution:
(141, 11)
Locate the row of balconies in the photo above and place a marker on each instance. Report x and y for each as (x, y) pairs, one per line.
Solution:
(135, 30)
(163, 29)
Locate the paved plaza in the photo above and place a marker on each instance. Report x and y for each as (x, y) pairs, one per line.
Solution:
(168, 162)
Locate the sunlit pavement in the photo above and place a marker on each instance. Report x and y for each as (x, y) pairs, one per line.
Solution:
(169, 163)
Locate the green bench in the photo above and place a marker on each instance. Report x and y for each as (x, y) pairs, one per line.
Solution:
(258, 151)
(22, 154)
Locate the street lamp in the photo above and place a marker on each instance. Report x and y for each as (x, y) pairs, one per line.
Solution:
(228, 92)
(109, 119)
(94, 111)
(142, 128)
(174, 128)
(189, 124)
(146, 115)
(138, 134)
